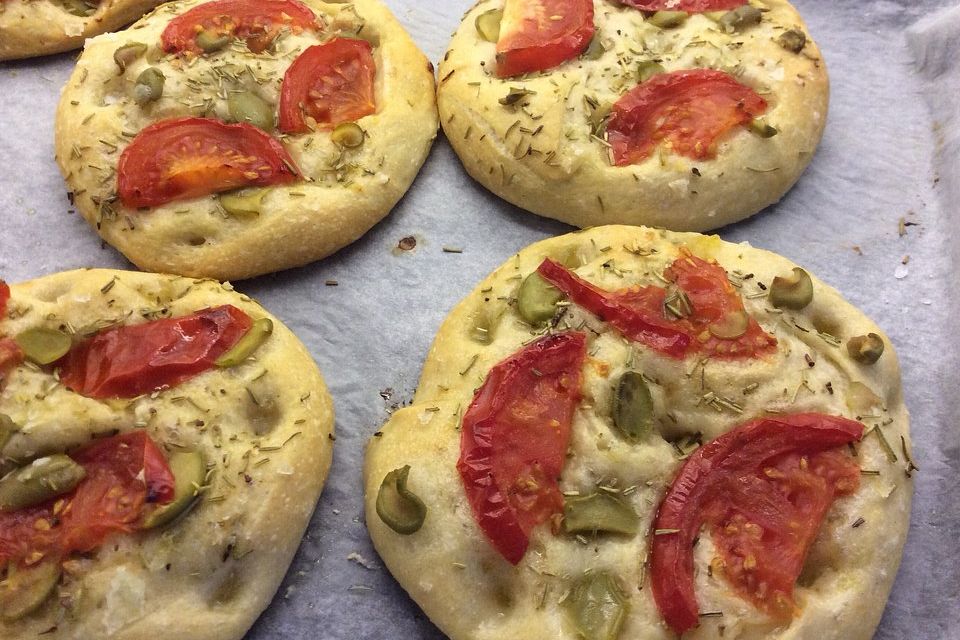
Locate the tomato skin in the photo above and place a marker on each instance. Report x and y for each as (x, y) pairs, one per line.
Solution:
(531, 41)
(331, 83)
(514, 440)
(10, 353)
(686, 110)
(690, 6)
(256, 21)
(4, 298)
(183, 158)
(131, 360)
(728, 477)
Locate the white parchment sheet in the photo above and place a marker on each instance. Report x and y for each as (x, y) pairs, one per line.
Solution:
(891, 152)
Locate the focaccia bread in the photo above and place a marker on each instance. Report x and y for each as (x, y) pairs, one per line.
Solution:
(233, 138)
(587, 135)
(184, 375)
(31, 28)
(726, 456)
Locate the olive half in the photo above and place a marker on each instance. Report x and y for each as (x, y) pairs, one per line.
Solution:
(27, 588)
(865, 349)
(261, 329)
(792, 292)
(668, 19)
(39, 481)
(126, 54)
(248, 107)
(398, 507)
(43, 346)
(488, 24)
(599, 511)
(597, 606)
(189, 472)
(243, 203)
(633, 407)
(537, 299)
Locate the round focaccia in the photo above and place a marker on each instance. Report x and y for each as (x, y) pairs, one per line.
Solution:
(726, 455)
(613, 115)
(203, 434)
(233, 138)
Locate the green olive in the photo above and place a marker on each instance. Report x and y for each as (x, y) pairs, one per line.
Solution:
(27, 588)
(596, 49)
(211, 41)
(537, 299)
(7, 428)
(793, 40)
(126, 54)
(79, 8)
(245, 346)
(792, 292)
(398, 507)
(250, 108)
(488, 24)
(762, 128)
(39, 481)
(599, 511)
(740, 18)
(865, 349)
(633, 407)
(714, 15)
(485, 322)
(243, 203)
(647, 69)
(731, 326)
(149, 86)
(597, 606)
(348, 135)
(668, 19)
(43, 346)
(189, 473)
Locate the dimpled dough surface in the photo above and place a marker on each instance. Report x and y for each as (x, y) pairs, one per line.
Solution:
(211, 573)
(542, 157)
(345, 193)
(472, 593)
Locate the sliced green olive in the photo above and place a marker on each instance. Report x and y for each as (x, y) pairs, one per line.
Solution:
(79, 8)
(599, 511)
(537, 299)
(649, 68)
(245, 346)
(243, 203)
(792, 292)
(126, 54)
(43, 346)
(211, 41)
(149, 86)
(39, 481)
(596, 49)
(348, 135)
(398, 507)
(731, 326)
(189, 473)
(740, 18)
(27, 588)
(633, 407)
(668, 19)
(488, 25)
(762, 128)
(793, 40)
(865, 349)
(7, 428)
(250, 108)
(597, 606)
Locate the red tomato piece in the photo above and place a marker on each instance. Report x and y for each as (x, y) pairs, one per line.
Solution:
(4, 298)
(256, 21)
(124, 473)
(536, 35)
(514, 440)
(687, 111)
(763, 488)
(328, 84)
(638, 312)
(131, 360)
(690, 6)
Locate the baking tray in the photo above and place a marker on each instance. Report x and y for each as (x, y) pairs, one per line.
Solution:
(873, 216)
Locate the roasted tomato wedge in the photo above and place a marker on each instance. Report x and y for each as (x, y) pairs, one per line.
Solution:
(328, 84)
(123, 473)
(128, 361)
(184, 158)
(690, 6)
(4, 298)
(763, 489)
(514, 440)
(536, 35)
(702, 313)
(256, 21)
(10, 353)
(686, 111)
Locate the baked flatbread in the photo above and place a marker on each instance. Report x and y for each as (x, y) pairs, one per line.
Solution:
(605, 419)
(259, 423)
(548, 141)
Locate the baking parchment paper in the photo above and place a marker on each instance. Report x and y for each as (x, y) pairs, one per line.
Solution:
(873, 216)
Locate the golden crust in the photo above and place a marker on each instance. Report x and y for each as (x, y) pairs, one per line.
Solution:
(542, 157)
(449, 563)
(349, 191)
(211, 573)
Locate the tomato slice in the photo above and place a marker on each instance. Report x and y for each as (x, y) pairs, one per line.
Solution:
(4, 298)
(10, 353)
(536, 35)
(690, 6)
(124, 473)
(183, 158)
(688, 111)
(131, 360)
(639, 312)
(514, 440)
(763, 489)
(328, 84)
(256, 21)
